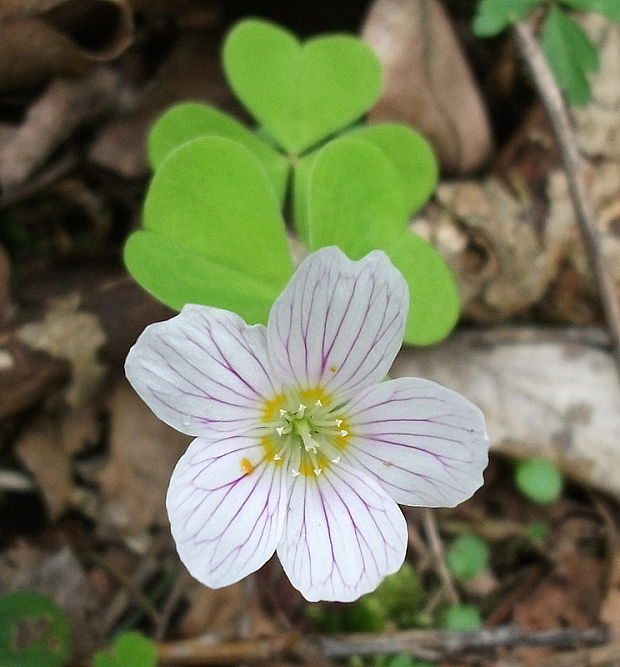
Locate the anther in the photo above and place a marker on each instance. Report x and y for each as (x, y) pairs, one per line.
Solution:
(283, 412)
(338, 422)
(319, 404)
(317, 471)
(336, 460)
(301, 409)
(279, 430)
(277, 457)
(344, 433)
(296, 473)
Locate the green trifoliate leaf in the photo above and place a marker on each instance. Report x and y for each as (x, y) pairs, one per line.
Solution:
(301, 93)
(434, 300)
(492, 16)
(408, 152)
(609, 8)
(213, 233)
(467, 556)
(571, 55)
(191, 120)
(130, 649)
(412, 157)
(34, 631)
(355, 198)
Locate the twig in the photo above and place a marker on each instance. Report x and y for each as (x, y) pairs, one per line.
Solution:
(553, 101)
(432, 645)
(436, 645)
(204, 651)
(130, 590)
(432, 534)
(170, 604)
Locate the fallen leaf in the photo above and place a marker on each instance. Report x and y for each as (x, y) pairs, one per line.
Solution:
(68, 333)
(143, 452)
(39, 448)
(428, 83)
(543, 394)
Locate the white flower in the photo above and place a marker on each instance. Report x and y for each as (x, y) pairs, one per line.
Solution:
(300, 447)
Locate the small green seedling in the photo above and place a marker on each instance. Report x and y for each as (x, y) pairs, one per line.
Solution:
(130, 649)
(462, 617)
(213, 227)
(467, 556)
(539, 480)
(569, 51)
(34, 631)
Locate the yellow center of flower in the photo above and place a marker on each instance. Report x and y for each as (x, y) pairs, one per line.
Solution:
(303, 430)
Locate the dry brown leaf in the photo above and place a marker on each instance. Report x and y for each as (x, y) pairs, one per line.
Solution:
(40, 39)
(39, 448)
(68, 333)
(51, 119)
(143, 452)
(542, 395)
(427, 81)
(47, 447)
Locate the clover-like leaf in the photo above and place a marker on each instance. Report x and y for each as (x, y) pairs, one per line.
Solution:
(410, 154)
(191, 120)
(34, 631)
(301, 93)
(571, 55)
(434, 301)
(492, 16)
(213, 233)
(355, 198)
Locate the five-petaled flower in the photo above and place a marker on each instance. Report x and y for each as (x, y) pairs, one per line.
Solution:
(300, 447)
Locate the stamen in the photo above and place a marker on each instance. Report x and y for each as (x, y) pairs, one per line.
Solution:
(336, 460)
(301, 410)
(319, 404)
(280, 430)
(344, 433)
(296, 473)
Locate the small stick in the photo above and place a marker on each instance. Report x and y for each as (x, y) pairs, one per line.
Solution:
(204, 651)
(432, 645)
(552, 99)
(432, 534)
(437, 645)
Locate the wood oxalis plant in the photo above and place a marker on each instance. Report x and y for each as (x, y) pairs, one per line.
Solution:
(300, 445)
(213, 225)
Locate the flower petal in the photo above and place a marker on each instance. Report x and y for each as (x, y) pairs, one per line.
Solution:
(342, 535)
(425, 444)
(226, 508)
(338, 324)
(203, 372)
